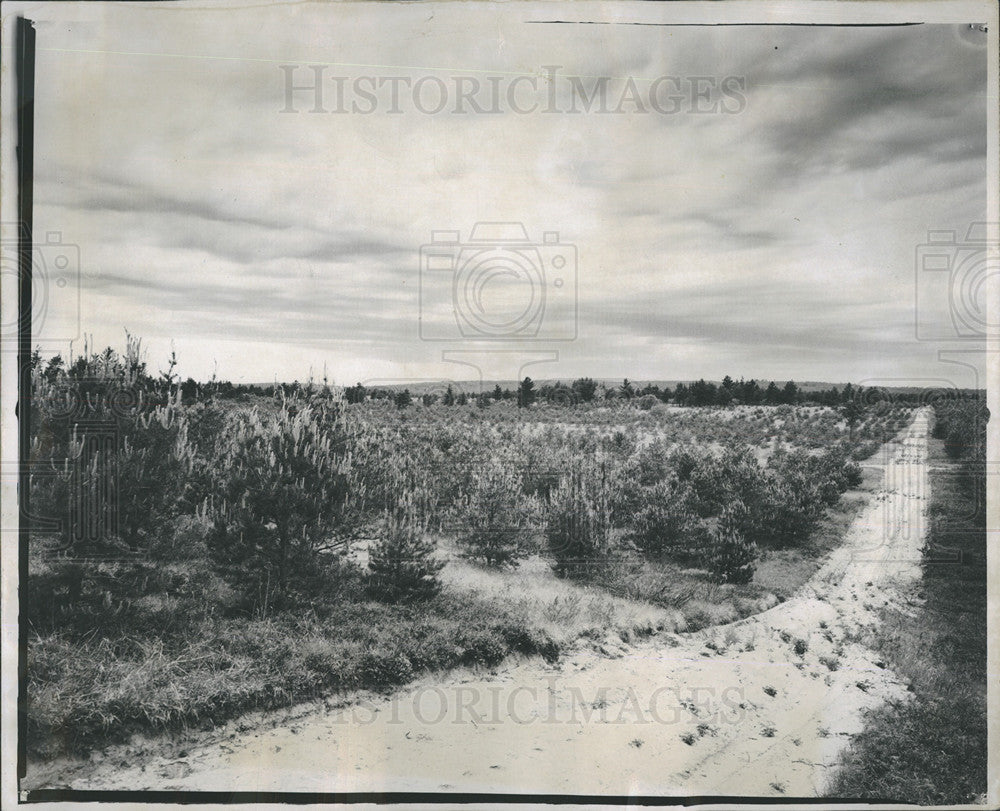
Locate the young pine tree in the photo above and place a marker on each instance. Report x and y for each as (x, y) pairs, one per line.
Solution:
(578, 526)
(402, 564)
(495, 515)
(664, 520)
(278, 489)
(733, 558)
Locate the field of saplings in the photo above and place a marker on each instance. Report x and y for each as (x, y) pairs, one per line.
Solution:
(201, 550)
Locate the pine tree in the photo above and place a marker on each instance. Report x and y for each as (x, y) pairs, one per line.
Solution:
(526, 393)
(279, 487)
(579, 523)
(402, 562)
(733, 559)
(494, 514)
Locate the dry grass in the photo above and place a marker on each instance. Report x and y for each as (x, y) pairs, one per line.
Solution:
(86, 692)
(563, 609)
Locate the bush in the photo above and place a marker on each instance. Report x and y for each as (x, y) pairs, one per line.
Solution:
(799, 487)
(664, 518)
(482, 647)
(495, 517)
(852, 475)
(278, 484)
(647, 402)
(733, 558)
(718, 481)
(578, 525)
(402, 565)
(683, 462)
(648, 466)
(110, 455)
(185, 540)
(791, 507)
(962, 426)
(102, 599)
(385, 668)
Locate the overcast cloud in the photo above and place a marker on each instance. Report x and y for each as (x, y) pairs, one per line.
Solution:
(775, 242)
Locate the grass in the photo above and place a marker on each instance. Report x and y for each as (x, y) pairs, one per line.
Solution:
(561, 608)
(92, 686)
(932, 749)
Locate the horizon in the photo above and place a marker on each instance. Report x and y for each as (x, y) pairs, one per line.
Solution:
(312, 377)
(663, 383)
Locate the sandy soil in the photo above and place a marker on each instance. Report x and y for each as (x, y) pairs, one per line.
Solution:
(759, 707)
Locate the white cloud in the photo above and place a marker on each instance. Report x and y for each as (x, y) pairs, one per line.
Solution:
(778, 241)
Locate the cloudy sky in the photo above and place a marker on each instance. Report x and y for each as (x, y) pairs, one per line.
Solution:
(776, 236)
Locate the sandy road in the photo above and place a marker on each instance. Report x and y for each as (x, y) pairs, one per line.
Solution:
(759, 707)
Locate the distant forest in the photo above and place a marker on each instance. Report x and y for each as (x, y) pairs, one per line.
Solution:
(528, 392)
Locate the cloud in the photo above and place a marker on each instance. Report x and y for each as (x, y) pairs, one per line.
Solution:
(781, 235)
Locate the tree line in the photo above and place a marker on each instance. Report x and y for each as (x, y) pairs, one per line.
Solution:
(529, 392)
(729, 392)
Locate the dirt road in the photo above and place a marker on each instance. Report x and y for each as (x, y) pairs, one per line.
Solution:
(759, 707)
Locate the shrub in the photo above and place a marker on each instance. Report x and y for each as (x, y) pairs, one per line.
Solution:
(482, 647)
(646, 467)
(185, 539)
(833, 471)
(578, 525)
(102, 599)
(733, 558)
(852, 475)
(385, 668)
(683, 462)
(494, 515)
(664, 518)
(962, 426)
(719, 481)
(402, 565)
(278, 489)
(110, 456)
(791, 508)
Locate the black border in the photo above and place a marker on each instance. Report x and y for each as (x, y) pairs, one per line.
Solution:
(24, 66)
(416, 798)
